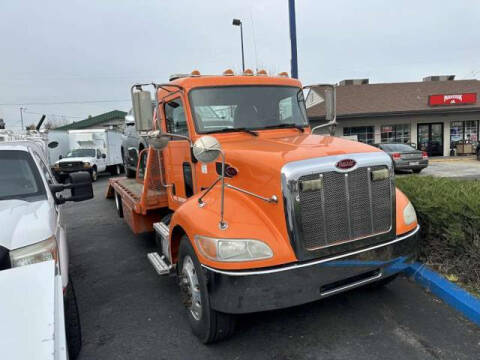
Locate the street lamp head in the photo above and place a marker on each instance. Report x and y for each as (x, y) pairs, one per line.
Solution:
(236, 22)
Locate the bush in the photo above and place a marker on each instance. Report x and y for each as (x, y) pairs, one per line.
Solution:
(449, 215)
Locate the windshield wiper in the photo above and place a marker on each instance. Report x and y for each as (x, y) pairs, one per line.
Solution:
(248, 131)
(280, 126)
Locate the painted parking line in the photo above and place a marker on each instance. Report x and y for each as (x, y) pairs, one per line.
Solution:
(452, 294)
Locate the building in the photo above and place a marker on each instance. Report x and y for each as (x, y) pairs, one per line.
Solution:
(111, 120)
(435, 115)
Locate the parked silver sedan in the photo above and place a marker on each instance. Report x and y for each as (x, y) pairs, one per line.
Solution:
(405, 157)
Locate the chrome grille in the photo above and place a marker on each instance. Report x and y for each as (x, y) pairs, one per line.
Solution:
(71, 165)
(348, 206)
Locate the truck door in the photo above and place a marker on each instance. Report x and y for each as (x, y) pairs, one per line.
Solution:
(101, 161)
(177, 154)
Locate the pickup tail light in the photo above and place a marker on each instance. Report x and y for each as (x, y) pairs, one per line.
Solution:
(396, 156)
(424, 155)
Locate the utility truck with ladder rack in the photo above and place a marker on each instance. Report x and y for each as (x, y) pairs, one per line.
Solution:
(251, 209)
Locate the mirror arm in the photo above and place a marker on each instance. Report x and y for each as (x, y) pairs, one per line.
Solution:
(272, 199)
(202, 203)
(222, 225)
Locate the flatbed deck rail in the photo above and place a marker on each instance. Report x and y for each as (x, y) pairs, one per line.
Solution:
(143, 199)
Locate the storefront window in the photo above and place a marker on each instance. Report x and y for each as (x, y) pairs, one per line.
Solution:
(395, 133)
(463, 131)
(364, 134)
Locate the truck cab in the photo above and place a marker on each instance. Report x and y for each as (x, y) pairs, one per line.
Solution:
(81, 159)
(257, 212)
(31, 217)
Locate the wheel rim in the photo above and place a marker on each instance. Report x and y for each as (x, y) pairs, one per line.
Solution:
(118, 169)
(94, 174)
(117, 202)
(191, 288)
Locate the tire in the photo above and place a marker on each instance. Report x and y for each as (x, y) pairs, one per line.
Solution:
(72, 323)
(207, 324)
(478, 155)
(417, 171)
(382, 283)
(119, 205)
(94, 174)
(115, 170)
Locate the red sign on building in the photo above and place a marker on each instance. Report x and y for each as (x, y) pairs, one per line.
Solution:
(452, 99)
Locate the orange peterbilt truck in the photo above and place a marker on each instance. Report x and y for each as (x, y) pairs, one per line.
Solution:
(251, 210)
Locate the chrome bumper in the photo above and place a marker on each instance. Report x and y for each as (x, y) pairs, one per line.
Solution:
(294, 284)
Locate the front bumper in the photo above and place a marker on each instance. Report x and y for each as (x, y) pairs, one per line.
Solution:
(410, 164)
(250, 291)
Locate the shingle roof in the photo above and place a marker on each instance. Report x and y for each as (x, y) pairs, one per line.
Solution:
(395, 98)
(94, 120)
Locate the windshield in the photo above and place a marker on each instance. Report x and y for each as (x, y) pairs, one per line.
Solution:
(81, 153)
(396, 147)
(247, 107)
(19, 176)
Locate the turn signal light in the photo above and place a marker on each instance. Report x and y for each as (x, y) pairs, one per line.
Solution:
(396, 155)
(424, 154)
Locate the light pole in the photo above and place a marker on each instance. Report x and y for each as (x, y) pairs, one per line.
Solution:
(237, 22)
(22, 109)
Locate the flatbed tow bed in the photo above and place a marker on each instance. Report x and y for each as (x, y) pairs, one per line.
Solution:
(141, 205)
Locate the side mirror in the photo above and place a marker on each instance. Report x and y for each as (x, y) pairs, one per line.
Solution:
(80, 186)
(142, 109)
(60, 157)
(104, 156)
(158, 140)
(207, 149)
(330, 104)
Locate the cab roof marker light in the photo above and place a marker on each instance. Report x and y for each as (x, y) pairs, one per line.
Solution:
(262, 72)
(283, 74)
(248, 72)
(228, 72)
(195, 73)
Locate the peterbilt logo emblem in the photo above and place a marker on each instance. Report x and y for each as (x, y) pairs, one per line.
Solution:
(345, 164)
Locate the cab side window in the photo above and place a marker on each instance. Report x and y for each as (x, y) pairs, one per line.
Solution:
(176, 121)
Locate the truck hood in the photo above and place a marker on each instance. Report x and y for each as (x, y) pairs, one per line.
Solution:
(72, 159)
(24, 223)
(274, 152)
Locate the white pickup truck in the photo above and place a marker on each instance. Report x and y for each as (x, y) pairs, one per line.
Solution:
(92, 150)
(31, 219)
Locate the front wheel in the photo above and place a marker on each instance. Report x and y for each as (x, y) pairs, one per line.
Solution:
(94, 174)
(72, 323)
(207, 324)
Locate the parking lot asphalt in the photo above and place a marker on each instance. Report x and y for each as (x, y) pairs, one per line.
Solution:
(129, 312)
(460, 169)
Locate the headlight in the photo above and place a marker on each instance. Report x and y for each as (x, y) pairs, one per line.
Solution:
(86, 164)
(233, 249)
(409, 215)
(57, 166)
(42, 251)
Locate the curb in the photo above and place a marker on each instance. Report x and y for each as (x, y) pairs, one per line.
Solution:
(452, 294)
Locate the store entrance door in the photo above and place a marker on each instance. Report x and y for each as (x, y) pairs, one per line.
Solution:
(430, 138)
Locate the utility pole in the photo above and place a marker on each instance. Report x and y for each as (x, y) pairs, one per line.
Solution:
(22, 109)
(293, 38)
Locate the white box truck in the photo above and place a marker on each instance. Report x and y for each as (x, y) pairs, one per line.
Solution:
(92, 150)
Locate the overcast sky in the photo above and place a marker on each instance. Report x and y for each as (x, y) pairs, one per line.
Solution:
(57, 51)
